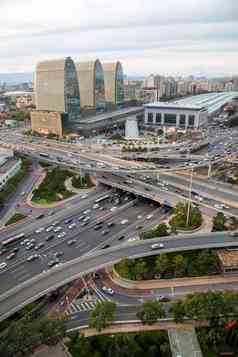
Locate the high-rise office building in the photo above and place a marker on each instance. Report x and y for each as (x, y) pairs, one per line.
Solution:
(91, 84)
(114, 85)
(57, 88)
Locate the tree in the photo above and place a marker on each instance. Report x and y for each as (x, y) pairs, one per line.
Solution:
(179, 265)
(219, 223)
(150, 312)
(140, 269)
(159, 231)
(52, 331)
(179, 220)
(178, 311)
(102, 315)
(162, 263)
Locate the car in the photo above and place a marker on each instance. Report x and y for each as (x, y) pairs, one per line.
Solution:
(139, 227)
(11, 256)
(110, 224)
(101, 208)
(3, 265)
(57, 229)
(113, 208)
(109, 291)
(23, 193)
(124, 221)
(105, 231)
(139, 216)
(163, 298)
(157, 246)
(84, 196)
(58, 254)
(71, 241)
(121, 238)
(96, 206)
(55, 223)
(81, 218)
(52, 263)
(67, 221)
(40, 245)
(49, 237)
(106, 246)
(234, 234)
(72, 226)
(40, 216)
(49, 229)
(30, 246)
(39, 230)
(86, 219)
(97, 227)
(61, 235)
(33, 257)
(85, 223)
(149, 216)
(15, 250)
(25, 241)
(87, 211)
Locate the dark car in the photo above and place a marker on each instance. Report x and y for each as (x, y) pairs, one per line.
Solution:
(106, 246)
(121, 238)
(67, 221)
(111, 224)
(97, 227)
(49, 237)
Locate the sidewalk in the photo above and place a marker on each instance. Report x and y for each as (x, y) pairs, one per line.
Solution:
(184, 343)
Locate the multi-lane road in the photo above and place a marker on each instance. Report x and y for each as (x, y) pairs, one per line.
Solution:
(30, 289)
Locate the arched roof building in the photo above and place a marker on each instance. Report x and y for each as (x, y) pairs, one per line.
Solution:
(57, 88)
(114, 87)
(91, 84)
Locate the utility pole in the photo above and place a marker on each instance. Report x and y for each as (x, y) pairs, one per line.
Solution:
(190, 196)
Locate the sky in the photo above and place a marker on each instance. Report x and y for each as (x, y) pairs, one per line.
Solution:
(170, 37)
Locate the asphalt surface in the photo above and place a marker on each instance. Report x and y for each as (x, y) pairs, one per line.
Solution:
(31, 289)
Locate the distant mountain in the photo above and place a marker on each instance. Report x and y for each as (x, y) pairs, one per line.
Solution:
(16, 78)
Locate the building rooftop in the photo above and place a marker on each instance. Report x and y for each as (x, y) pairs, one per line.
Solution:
(209, 101)
(115, 113)
(228, 258)
(7, 165)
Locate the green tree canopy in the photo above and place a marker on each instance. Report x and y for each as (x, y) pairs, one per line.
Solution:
(102, 315)
(150, 312)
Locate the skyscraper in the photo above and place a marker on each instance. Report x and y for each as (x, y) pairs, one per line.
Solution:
(57, 88)
(114, 86)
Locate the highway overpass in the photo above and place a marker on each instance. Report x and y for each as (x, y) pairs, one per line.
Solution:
(30, 290)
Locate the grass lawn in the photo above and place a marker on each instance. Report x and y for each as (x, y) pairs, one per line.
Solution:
(15, 218)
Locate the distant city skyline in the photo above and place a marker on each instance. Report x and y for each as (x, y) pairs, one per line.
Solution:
(173, 37)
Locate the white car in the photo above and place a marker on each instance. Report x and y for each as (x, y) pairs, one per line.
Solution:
(124, 221)
(96, 206)
(57, 229)
(87, 211)
(132, 239)
(71, 226)
(49, 229)
(84, 196)
(139, 217)
(149, 216)
(39, 230)
(109, 291)
(61, 235)
(113, 208)
(157, 246)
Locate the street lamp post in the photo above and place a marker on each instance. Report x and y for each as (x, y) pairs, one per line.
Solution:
(190, 196)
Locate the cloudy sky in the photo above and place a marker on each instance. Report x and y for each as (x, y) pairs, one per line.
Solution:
(163, 36)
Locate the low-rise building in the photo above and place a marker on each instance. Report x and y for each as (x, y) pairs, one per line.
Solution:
(45, 123)
(9, 166)
(174, 114)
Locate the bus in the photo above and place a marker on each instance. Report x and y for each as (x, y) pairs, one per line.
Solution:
(13, 239)
(103, 198)
(43, 154)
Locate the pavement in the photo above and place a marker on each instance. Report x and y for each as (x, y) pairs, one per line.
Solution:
(60, 350)
(184, 343)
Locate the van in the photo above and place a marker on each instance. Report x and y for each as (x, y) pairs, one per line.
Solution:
(3, 265)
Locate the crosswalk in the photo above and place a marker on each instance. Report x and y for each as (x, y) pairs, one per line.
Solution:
(86, 305)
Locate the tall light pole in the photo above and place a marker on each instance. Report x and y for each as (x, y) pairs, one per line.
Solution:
(190, 196)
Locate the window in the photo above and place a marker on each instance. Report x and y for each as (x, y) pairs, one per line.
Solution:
(191, 119)
(182, 120)
(150, 118)
(158, 118)
(170, 119)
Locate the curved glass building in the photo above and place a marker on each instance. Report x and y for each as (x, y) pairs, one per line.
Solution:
(114, 84)
(91, 83)
(57, 88)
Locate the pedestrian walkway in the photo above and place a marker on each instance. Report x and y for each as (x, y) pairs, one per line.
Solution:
(184, 343)
(88, 302)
